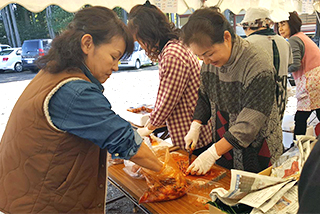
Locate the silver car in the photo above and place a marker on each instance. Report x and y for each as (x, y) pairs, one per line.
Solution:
(137, 59)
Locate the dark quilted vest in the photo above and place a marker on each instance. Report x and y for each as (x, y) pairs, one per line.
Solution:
(45, 170)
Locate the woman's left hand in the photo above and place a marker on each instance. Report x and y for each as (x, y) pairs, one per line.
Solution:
(202, 164)
(144, 132)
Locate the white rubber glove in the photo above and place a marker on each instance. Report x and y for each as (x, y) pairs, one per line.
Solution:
(144, 132)
(193, 135)
(202, 164)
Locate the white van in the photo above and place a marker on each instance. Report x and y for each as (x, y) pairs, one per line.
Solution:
(137, 59)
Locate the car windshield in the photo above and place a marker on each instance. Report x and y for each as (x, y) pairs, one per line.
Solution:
(4, 47)
(30, 45)
(5, 52)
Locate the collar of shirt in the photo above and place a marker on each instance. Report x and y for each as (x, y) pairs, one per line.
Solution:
(234, 52)
(238, 48)
(87, 72)
(266, 32)
(163, 43)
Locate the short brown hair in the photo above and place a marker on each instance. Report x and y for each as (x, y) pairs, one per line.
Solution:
(206, 23)
(100, 22)
(150, 26)
(295, 23)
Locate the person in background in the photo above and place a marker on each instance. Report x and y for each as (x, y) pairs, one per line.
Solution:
(237, 90)
(305, 70)
(256, 25)
(309, 183)
(179, 73)
(53, 150)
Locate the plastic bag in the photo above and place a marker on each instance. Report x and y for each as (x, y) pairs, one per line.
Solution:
(199, 192)
(168, 184)
(132, 169)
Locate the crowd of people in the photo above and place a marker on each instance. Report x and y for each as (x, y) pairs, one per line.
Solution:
(229, 110)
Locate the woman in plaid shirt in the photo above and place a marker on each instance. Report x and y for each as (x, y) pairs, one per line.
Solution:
(179, 73)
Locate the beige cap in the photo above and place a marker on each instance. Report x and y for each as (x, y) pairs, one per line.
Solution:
(256, 17)
(254, 13)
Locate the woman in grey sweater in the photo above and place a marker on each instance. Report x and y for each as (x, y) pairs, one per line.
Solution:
(237, 90)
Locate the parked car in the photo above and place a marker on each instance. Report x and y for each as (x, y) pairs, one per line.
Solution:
(32, 50)
(10, 59)
(3, 47)
(137, 59)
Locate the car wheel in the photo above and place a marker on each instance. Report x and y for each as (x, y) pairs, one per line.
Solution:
(18, 67)
(137, 65)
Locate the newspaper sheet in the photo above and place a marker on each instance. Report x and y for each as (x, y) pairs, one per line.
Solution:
(288, 203)
(277, 196)
(248, 188)
(276, 193)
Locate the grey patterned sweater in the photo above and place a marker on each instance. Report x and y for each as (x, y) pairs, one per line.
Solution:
(244, 89)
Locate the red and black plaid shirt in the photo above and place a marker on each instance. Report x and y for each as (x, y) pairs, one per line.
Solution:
(179, 72)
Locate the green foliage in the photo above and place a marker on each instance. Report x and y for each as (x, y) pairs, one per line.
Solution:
(34, 25)
(31, 25)
(118, 11)
(3, 37)
(60, 19)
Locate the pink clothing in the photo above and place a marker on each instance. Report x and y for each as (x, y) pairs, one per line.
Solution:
(307, 78)
(179, 72)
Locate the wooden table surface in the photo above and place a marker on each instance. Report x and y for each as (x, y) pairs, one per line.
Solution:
(134, 189)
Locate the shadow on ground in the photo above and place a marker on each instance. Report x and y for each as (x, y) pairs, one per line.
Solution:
(121, 206)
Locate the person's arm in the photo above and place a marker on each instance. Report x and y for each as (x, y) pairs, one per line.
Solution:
(146, 158)
(298, 49)
(223, 146)
(202, 110)
(201, 115)
(258, 101)
(81, 109)
(290, 61)
(205, 160)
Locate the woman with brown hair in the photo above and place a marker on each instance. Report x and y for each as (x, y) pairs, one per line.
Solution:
(305, 71)
(53, 151)
(179, 72)
(237, 92)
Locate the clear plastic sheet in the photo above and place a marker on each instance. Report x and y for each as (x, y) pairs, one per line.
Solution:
(198, 192)
(133, 169)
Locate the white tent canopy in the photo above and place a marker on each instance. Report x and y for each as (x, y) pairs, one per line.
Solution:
(168, 6)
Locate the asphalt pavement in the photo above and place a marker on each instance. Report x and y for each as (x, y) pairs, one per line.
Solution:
(125, 88)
